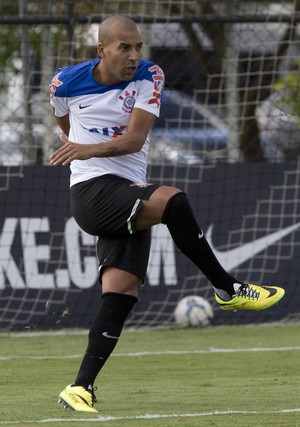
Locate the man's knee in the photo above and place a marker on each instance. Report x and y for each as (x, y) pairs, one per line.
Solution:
(116, 280)
(177, 205)
(152, 210)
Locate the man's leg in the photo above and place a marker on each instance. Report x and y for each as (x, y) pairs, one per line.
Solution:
(123, 263)
(170, 206)
(119, 294)
(190, 239)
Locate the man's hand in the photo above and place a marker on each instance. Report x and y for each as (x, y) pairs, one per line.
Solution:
(70, 151)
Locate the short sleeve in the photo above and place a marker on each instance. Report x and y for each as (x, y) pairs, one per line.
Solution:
(60, 106)
(150, 90)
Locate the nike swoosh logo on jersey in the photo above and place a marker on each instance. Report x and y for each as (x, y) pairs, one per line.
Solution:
(232, 258)
(84, 106)
(106, 335)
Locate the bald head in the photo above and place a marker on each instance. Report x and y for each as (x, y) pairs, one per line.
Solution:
(109, 28)
(120, 49)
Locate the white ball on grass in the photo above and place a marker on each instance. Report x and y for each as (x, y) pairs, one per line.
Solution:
(193, 311)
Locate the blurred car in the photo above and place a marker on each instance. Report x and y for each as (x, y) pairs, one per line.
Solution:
(188, 132)
(277, 125)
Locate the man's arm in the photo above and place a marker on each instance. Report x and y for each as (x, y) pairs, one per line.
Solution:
(63, 122)
(139, 126)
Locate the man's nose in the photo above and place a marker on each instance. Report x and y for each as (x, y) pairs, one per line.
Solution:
(134, 55)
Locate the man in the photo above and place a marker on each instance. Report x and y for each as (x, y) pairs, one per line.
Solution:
(107, 107)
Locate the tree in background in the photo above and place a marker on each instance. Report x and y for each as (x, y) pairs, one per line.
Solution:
(289, 88)
(251, 91)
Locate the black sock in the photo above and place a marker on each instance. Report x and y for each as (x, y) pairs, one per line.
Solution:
(104, 334)
(190, 240)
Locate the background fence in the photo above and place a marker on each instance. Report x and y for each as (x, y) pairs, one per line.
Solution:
(228, 135)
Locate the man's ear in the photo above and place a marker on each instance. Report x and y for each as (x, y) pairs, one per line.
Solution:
(100, 50)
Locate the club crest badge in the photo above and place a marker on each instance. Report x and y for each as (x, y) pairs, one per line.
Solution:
(128, 101)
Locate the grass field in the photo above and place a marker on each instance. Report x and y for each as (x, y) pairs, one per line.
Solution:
(216, 376)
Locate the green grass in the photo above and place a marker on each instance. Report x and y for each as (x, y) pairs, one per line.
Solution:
(215, 376)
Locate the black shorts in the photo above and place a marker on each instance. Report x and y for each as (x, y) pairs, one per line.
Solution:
(129, 253)
(106, 207)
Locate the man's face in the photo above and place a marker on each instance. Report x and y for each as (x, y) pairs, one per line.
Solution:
(121, 56)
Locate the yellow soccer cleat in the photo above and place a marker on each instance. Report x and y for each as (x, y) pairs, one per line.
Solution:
(78, 398)
(251, 297)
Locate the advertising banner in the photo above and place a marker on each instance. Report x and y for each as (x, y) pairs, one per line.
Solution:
(250, 214)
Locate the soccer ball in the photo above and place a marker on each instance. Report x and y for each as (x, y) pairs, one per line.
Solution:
(193, 311)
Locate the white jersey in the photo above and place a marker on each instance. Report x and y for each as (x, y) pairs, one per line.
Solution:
(98, 113)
